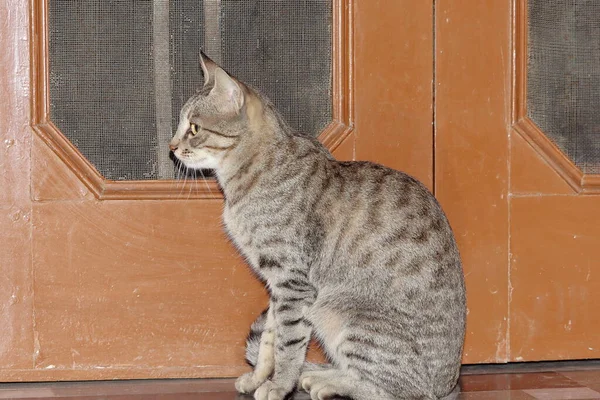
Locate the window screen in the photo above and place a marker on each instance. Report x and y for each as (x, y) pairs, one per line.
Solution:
(563, 77)
(120, 70)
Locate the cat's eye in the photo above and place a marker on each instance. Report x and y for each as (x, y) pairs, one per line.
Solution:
(194, 129)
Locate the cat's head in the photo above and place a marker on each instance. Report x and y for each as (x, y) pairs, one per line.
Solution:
(214, 120)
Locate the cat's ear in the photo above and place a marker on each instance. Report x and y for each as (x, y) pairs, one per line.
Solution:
(228, 91)
(208, 69)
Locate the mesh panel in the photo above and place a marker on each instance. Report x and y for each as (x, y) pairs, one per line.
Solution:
(120, 70)
(186, 19)
(100, 69)
(289, 45)
(563, 78)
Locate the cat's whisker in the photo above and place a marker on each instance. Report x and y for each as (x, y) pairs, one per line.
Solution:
(177, 176)
(205, 182)
(188, 179)
(178, 183)
(195, 182)
(190, 183)
(184, 172)
(191, 188)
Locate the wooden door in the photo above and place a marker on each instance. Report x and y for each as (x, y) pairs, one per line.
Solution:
(98, 282)
(118, 280)
(527, 218)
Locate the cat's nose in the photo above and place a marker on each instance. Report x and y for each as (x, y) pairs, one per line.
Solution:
(172, 146)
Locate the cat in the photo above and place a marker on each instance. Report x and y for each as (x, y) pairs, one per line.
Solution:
(358, 255)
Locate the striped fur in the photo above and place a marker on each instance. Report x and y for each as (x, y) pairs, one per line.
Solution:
(356, 254)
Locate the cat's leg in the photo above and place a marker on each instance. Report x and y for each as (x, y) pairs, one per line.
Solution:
(335, 383)
(290, 298)
(370, 350)
(259, 353)
(380, 362)
(254, 342)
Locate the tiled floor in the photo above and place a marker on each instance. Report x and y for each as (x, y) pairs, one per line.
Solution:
(542, 381)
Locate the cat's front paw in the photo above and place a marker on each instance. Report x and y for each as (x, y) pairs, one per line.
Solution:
(270, 391)
(247, 383)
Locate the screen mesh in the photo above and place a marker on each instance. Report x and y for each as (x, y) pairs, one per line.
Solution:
(120, 70)
(297, 68)
(563, 77)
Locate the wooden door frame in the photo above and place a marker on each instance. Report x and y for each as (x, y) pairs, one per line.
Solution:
(524, 126)
(522, 212)
(61, 240)
(333, 136)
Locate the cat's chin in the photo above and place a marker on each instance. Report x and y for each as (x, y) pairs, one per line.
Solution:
(202, 163)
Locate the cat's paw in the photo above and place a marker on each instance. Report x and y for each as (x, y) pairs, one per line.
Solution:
(247, 383)
(325, 393)
(270, 391)
(318, 386)
(320, 390)
(308, 379)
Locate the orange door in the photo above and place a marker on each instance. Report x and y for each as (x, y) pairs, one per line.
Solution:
(525, 213)
(106, 280)
(136, 279)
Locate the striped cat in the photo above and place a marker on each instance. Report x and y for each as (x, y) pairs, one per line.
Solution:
(359, 255)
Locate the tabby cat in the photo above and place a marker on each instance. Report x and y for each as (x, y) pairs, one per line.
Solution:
(359, 255)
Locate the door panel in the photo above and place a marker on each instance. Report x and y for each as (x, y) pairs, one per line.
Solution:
(555, 276)
(554, 226)
(128, 285)
(153, 288)
(16, 300)
(525, 216)
(394, 69)
(472, 101)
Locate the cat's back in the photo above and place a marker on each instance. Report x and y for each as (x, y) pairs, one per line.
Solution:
(357, 211)
(386, 210)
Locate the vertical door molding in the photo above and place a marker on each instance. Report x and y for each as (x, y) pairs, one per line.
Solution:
(472, 101)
